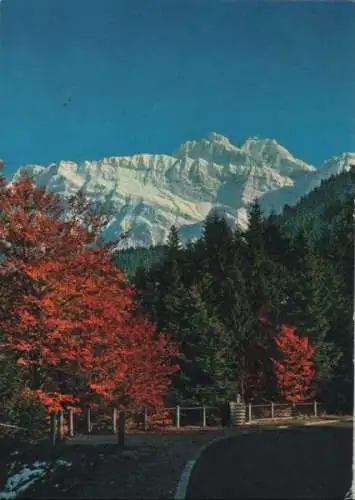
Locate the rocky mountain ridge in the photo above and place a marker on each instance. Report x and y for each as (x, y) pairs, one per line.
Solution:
(150, 192)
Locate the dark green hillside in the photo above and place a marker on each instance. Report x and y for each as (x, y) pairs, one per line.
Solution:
(320, 211)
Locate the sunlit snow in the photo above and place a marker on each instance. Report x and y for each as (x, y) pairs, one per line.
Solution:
(21, 480)
(151, 192)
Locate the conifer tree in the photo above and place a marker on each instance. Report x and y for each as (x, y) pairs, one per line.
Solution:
(311, 314)
(255, 257)
(204, 375)
(215, 249)
(173, 243)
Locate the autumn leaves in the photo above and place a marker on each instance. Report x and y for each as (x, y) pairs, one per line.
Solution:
(295, 370)
(70, 318)
(68, 314)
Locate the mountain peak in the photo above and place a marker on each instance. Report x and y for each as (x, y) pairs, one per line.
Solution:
(151, 192)
(216, 137)
(270, 151)
(256, 139)
(210, 148)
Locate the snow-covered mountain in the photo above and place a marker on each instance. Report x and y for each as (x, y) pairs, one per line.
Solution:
(150, 192)
(333, 166)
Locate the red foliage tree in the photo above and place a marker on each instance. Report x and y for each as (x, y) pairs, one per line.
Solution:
(72, 320)
(294, 371)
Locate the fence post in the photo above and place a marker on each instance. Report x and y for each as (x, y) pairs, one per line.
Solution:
(121, 428)
(60, 422)
(145, 423)
(177, 416)
(114, 420)
(293, 412)
(88, 420)
(315, 409)
(71, 423)
(272, 410)
(249, 412)
(53, 429)
(203, 416)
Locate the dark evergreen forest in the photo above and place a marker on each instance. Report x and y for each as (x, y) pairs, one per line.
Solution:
(295, 268)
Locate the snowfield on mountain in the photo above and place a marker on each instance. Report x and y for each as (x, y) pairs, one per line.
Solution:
(151, 192)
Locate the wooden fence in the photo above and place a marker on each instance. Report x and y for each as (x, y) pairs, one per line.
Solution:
(94, 421)
(98, 421)
(273, 410)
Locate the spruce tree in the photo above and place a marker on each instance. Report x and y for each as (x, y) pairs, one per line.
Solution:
(311, 314)
(216, 245)
(173, 244)
(254, 232)
(204, 372)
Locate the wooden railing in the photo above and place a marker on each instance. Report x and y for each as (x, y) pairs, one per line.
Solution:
(281, 410)
(92, 421)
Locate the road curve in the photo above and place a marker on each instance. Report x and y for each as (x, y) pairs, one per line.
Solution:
(303, 462)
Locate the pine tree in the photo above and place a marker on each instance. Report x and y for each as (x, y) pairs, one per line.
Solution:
(173, 243)
(161, 280)
(268, 285)
(204, 375)
(255, 257)
(339, 262)
(214, 251)
(278, 246)
(311, 311)
(254, 232)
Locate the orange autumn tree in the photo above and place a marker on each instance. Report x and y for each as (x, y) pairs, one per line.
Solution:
(73, 321)
(294, 370)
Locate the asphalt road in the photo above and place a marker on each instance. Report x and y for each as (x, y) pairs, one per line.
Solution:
(308, 463)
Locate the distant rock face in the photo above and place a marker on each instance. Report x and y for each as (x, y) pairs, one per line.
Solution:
(151, 192)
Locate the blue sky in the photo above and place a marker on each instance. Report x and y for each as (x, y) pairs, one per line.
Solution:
(144, 76)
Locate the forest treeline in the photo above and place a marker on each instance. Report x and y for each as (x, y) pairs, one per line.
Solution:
(266, 312)
(295, 269)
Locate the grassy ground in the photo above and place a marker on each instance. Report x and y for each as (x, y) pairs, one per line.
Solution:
(308, 463)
